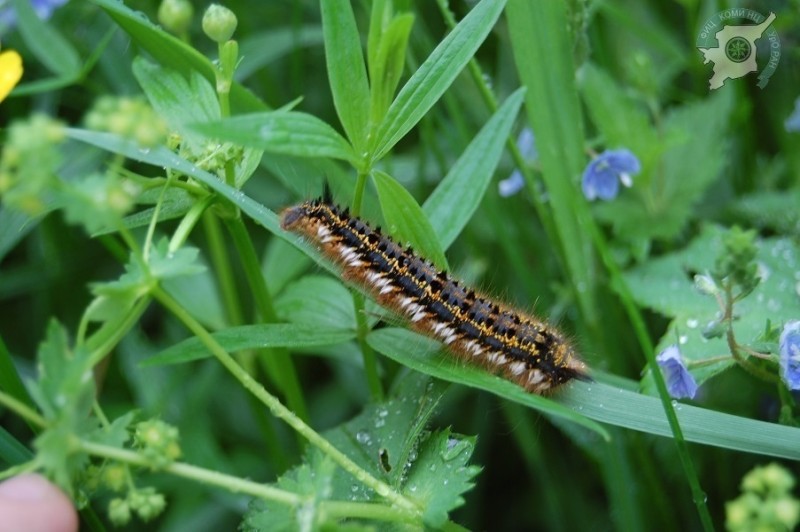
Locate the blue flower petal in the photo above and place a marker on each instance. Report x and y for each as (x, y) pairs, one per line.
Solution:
(600, 181)
(790, 354)
(622, 161)
(511, 185)
(602, 176)
(680, 382)
(792, 123)
(526, 143)
(43, 8)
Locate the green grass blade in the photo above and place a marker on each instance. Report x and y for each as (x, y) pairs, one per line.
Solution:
(543, 55)
(456, 198)
(422, 354)
(12, 452)
(643, 413)
(10, 381)
(435, 75)
(346, 70)
(286, 132)
(290, 335)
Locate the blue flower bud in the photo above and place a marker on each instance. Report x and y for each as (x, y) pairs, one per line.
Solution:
(680, 382)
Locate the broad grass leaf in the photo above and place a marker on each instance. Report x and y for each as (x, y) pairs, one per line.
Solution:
(451, 205)
(406, 222)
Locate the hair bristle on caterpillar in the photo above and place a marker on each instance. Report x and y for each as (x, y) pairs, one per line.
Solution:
(475, 328)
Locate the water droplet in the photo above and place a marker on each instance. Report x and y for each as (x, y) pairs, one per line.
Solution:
(363, 437)
(763, 271)
(454, 448)
(692, 323)
(682, 339)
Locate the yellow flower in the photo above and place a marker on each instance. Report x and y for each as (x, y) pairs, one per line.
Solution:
(10, 72)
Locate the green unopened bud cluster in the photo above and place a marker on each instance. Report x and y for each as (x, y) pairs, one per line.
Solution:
(766, 502)
(213, 156)
(29, 161)
(147, 503)
(158, 442)
(132, 118)
(737, 261)
(99, 201)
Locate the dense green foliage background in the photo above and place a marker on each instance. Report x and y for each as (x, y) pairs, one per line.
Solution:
(417, 141)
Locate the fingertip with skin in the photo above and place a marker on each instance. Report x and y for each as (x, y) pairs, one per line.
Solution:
(33, 504)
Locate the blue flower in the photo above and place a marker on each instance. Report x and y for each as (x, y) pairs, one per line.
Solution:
(680, 382)
(527, 147)
(792, 123)
(43, 9)
(790, 354)
(602, 177)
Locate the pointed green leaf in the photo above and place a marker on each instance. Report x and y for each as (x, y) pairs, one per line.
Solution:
(386, 64)
(456, 198)
(177, 99)
(435, 75)
(346, 70)
(287, 132)
(406, 221)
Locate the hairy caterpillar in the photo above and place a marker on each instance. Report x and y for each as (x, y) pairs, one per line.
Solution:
(524, 349)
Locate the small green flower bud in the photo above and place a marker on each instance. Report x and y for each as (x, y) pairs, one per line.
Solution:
(175, 15)
(787, 512)
(706, 285)
(119, 512)
(219, 23)
(147, 503)
(115, 477)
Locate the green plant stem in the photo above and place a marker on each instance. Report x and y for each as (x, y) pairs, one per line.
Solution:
(332, 509)
(20, 469)
(640, 330)
(277, 409)
(358, 194)
(213, 478)
(151, 227)
(21, 409)
(730, 337)
(362, 327)
(189, 221)
(277, 361)
(111, 333)
(367, 353)
(223, 269)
